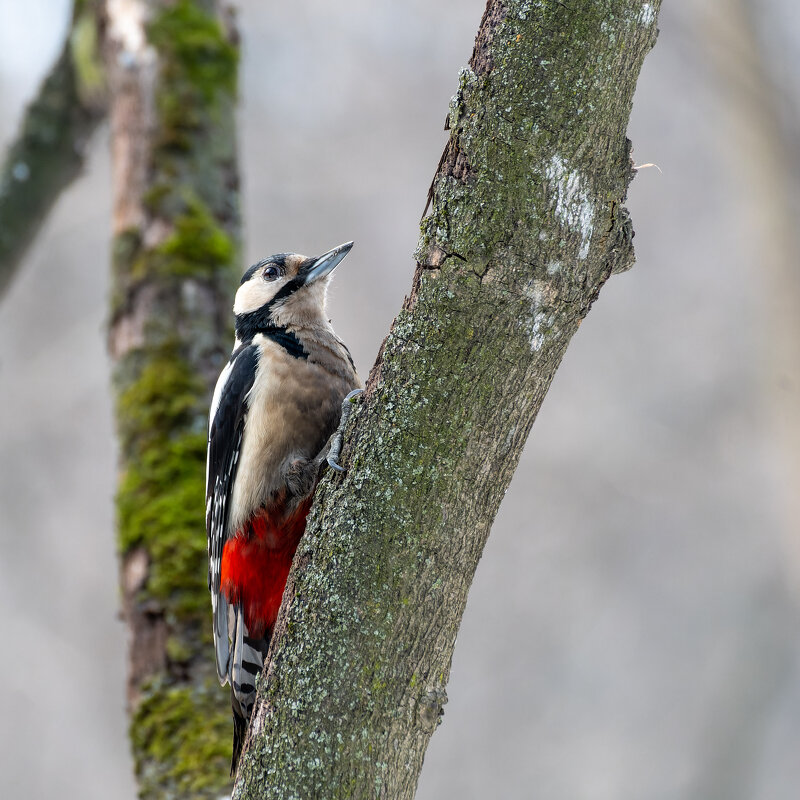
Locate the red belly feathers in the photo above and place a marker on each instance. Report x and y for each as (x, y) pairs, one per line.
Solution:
(256, 562)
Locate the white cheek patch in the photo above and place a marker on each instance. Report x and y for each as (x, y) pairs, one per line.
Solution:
(254, 294)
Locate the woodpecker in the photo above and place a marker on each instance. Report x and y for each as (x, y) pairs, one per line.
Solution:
(277, 403)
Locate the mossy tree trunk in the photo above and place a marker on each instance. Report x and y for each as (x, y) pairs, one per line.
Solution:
(527, 224)
(49, 149)
(172, 70)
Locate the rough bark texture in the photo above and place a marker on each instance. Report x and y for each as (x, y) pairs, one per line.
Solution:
(527, 223)
(49, 150)
(172, 69)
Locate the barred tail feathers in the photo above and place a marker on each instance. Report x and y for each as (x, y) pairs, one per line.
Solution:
(246, 662)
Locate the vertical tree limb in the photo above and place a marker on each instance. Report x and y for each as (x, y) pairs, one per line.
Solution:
(49, 150)
(172, 69)
(527, 224)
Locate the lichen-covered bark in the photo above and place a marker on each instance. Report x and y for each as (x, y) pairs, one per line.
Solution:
(527, 223)
(49, 150)
(172, 70)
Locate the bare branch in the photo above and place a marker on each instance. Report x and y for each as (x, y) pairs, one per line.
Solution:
(49, 150)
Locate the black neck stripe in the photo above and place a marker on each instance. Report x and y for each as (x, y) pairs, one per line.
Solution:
(261, 319)
(288, 341)
(248, 325)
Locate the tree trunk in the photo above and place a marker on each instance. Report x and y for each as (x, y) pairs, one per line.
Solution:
(527, 224)
(172, 70)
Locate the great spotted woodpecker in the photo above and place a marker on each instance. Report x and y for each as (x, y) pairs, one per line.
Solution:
(276, 403)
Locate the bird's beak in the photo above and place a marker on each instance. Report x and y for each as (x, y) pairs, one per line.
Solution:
(325, 264)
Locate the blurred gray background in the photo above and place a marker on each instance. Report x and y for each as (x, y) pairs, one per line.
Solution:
(632, 633)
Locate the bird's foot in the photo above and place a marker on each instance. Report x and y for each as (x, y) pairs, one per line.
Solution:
(333, 449)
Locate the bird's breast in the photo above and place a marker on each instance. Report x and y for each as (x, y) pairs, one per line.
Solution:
(292, 409)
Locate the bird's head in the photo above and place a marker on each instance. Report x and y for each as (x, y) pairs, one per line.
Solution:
(285, 289)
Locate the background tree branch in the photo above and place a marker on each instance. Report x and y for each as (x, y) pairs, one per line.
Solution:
(527, 224)
(49, 150)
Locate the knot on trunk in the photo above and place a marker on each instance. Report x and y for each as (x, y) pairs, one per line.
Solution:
(430, 708)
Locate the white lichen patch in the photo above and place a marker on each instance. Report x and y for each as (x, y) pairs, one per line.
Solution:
(20, 172)
(542, 318)
(538, 331)
(574, 207)
(648, 14)
(540, 293)
(553, 267)
(127, 20)
(607, 29)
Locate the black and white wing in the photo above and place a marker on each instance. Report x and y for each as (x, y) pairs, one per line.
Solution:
(225, 431)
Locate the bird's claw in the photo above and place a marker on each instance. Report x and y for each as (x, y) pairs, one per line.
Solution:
(333, 465)
(335, 449)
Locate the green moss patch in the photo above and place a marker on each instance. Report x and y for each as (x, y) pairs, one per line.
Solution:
(181, 742)
(198, 65)
(87, 60)
(161, 400)
(195, 46)
(198, 243)
(161, 494)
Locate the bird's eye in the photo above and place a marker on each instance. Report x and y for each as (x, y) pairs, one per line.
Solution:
(271, 273)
